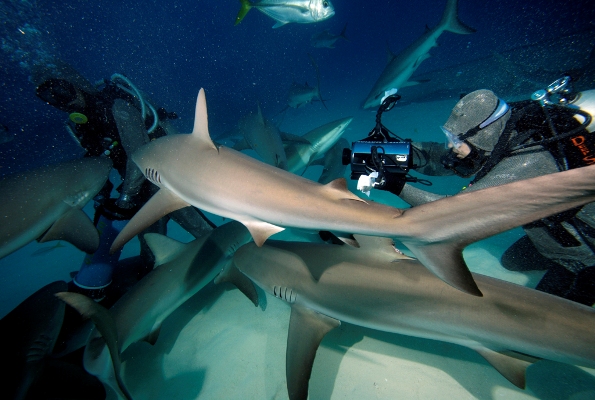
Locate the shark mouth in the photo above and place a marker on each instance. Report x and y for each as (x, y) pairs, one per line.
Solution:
(153, 175)
(285, 293)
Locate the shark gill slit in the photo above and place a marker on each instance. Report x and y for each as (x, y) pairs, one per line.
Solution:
(281, 293)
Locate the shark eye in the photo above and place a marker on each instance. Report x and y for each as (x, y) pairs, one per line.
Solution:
(325, 4)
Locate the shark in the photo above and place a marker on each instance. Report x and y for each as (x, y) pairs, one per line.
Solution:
(45, 204)
(377, 287)
(332, 162)
(327, 39)
(400, 67)
(192, 170)
(300, 95)
(28, 335)
(263, 137)
(316, 143)
(181, 270)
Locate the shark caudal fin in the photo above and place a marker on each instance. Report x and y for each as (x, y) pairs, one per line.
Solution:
(105, 325)
(450, 20)
(244, 8)
(442, 228)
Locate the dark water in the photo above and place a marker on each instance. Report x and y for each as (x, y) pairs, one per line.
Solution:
(171, 49)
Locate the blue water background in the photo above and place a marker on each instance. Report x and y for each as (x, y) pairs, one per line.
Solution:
(171, 49)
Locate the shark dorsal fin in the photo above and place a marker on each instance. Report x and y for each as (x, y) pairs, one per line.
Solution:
(338, 188)
(201, 121)
(164, 248)
(260, 117)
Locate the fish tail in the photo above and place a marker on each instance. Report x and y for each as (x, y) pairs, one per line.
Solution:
(450, 20)
(244, 8)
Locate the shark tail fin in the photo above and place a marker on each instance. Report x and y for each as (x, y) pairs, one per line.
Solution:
(317, 80)
(244, 8)
(105, 325)
(450, 20)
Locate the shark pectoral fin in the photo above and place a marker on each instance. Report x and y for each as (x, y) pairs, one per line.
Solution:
(152, 337)
(338, 190)
(105, 325)
(421, 59)
(241, 144)
(261, 230)
(163, 248)
(446, 261)
(161, 204)
(201, 121)
(76, 228)
(510, 367)
(232, 275)
(306, 330)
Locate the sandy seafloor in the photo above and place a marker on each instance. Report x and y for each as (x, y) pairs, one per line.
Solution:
(219, 346)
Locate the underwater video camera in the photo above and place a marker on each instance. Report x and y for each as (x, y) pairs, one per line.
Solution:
(380, 160)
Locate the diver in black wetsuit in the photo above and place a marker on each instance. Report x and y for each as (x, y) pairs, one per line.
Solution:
(113, 122)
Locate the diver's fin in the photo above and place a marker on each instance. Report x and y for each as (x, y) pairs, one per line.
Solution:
(306, 330)
(162, 203)
(76, 228)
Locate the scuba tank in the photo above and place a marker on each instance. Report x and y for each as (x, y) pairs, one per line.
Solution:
(577, 146)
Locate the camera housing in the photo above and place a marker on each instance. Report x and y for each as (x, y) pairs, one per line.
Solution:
(395, 157)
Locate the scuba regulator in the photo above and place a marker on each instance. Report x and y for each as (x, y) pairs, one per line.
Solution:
(380, 160)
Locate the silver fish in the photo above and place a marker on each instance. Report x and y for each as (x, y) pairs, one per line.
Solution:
(286, 11)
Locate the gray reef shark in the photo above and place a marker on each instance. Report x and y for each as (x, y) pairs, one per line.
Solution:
(375, 286)
(45, 204)
(318, 141)
(181, 271)
(286, 11)
(332, 162)
(28, 335)
(300, 95)
(264, 138)
(327, 39)
(191, 170)
(400, 67)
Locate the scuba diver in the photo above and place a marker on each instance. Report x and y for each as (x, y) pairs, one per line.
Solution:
(113, 120)
(497, 143)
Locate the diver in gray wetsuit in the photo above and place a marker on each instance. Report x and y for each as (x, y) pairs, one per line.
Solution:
(497, 144)
(108, 121)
